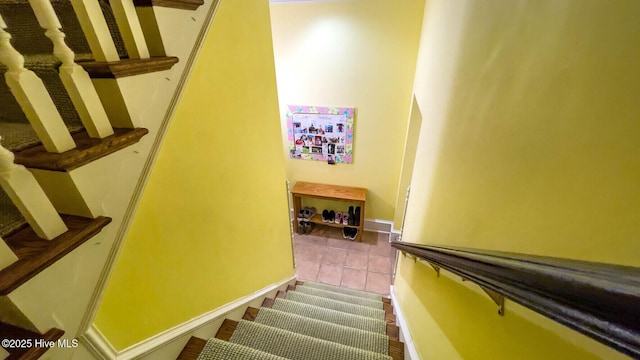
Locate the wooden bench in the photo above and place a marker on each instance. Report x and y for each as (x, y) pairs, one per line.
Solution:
(353, 195)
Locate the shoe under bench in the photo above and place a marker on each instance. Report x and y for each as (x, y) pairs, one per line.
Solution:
(353, 195)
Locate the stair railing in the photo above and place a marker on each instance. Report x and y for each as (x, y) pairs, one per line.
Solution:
(25, 192)
(33, 98)
(7, 257)
(74, 78)
(130, 28)
(95, 28)
(598, 300)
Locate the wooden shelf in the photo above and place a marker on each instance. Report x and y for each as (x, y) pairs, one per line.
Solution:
(317, 219)
(353, 195)
(330, 192)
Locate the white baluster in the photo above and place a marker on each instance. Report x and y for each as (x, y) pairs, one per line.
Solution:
(25, 192)
(33, 98)
(7, 257)
(75, 79)
(130, 29)
(95, 29)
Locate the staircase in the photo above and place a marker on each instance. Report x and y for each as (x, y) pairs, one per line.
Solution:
(310, 321)
(78, 80)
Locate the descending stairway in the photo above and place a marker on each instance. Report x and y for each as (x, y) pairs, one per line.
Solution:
(310, 321)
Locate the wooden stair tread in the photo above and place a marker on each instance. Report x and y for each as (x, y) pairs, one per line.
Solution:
(175, 4)
(8, 331)
(192, 349)
(396, 349)
(127, 67)
(226, 329)
(87, 150)
(250, 314)
(268, 302)
(393, 332)
(35, 254)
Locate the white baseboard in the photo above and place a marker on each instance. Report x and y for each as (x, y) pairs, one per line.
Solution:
(95, 341)
(405, 335)
(378, 225)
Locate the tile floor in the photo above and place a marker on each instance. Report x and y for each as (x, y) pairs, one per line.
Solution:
(325, 256)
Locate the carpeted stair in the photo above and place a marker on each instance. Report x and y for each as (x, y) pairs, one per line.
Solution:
(311, 321)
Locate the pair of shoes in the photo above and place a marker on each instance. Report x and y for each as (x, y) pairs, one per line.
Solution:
(349, 233)
(338, 218)
(305, 227)
(308, 213)
(328, 216)
(346, 219)
(356, 216)
(352, 217)
(308, 226)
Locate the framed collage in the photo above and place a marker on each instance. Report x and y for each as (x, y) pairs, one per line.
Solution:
(320, 133)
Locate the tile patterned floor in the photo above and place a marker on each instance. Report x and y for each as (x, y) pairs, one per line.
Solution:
(325, 256)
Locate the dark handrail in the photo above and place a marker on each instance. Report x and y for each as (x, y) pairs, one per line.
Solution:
(599, 300)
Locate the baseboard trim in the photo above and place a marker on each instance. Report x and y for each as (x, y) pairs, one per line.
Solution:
(405, 335)
(99, 345)
(378, 225)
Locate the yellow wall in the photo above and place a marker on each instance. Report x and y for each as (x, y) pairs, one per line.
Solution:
(212, 224)
(529, 144)
(358, 53)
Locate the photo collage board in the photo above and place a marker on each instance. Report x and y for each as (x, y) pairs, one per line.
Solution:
(321, 133)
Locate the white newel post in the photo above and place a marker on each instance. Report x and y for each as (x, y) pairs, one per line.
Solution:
(25, 192)
(130, 29)
(75, 79)
(33, 98)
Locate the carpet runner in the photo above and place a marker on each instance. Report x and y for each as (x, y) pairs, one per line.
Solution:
(311, 322)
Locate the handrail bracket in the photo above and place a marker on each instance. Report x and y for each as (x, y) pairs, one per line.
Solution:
(497, 298)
